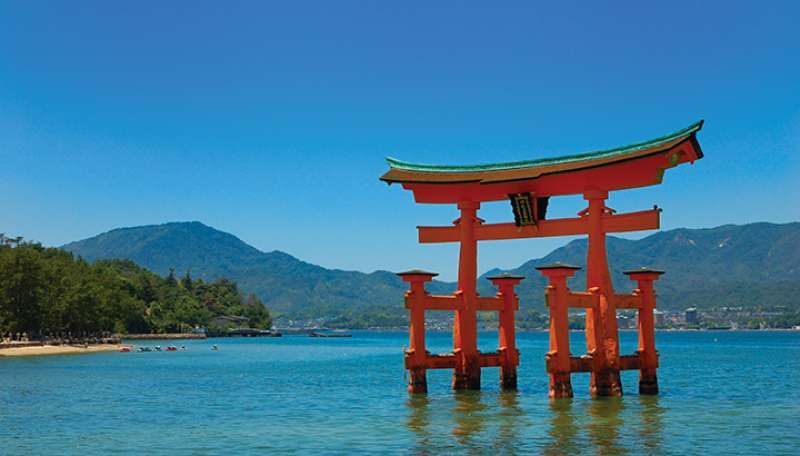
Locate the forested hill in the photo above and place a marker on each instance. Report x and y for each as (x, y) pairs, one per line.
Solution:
(46, 291)
(209, 253)
(732, 265)
(754, 265)
(285, 284)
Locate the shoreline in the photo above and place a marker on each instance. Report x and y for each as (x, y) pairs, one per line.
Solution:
(164, 336)
(540, 330)
(45, 350)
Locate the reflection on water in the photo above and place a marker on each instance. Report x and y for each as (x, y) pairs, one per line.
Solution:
(475, 417)
(563, 430)
(497, 421)
(511, 423)
(468, 415)
(605, 421)
(651, 425)
(419, 421)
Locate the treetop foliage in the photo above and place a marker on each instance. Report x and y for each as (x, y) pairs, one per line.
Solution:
(49, 291)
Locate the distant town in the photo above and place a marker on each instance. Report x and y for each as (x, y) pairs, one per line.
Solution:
(692, 318)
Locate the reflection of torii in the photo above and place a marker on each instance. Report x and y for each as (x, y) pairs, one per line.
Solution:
(591, 175)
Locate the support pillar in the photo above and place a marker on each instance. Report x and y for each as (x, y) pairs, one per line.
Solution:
(558, 357)
(602, 338)
(648, 357)
(416, 355)
(507, 338)
(467, 374)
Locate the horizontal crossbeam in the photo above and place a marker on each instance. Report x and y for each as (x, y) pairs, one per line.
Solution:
(616, 223)
(436, 302)
(439, 302)
(587, 300)
(582, 299)
(493, 303)
(584, 363)
(628, 301)
(450, 360)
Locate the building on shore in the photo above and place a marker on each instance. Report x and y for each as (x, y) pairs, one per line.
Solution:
(691, 317)
(660, 317)
(229, 320)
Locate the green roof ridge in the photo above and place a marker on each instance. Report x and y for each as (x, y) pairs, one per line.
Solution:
(690, 130)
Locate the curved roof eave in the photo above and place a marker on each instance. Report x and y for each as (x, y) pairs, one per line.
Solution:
(573, 160)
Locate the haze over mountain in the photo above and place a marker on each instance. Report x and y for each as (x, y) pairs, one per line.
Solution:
(731, 265)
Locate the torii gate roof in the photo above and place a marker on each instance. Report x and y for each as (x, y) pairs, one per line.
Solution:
(631, 166)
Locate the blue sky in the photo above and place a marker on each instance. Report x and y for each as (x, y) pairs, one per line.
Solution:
(271, 120)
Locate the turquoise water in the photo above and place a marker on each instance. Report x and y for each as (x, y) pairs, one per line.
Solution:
(722, 392)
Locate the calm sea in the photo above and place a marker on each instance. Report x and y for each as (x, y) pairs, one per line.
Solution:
(722, 393)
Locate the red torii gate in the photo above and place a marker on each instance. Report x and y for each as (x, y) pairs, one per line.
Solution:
(529, 185)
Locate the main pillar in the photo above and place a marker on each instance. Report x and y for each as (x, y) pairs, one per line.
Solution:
(648, 357)
(467, 374)
(602, 340)
(506, 334)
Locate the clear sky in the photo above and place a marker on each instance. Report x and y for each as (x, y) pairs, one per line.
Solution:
(270, 120)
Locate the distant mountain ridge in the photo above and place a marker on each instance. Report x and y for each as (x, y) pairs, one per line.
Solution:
(730, 265)
(734, 265)
(285, 283)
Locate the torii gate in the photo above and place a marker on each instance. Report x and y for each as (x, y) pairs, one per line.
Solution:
(529, 185)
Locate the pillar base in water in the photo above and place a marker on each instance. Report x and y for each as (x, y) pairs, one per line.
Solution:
(469, 379)
(648, 383)
(560, 386)
(508, 378)
(417, 381)
(605, 383)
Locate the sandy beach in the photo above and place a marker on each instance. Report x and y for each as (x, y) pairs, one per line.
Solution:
(59, 350)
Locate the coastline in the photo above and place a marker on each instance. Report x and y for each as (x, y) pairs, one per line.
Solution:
(43, 350)
(540, 330)
(164, 336)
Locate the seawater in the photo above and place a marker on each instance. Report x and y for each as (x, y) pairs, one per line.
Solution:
(722, 393)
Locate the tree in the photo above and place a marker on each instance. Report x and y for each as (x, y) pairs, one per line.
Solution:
(258, 315)
(22, 289)
(171, 278)
(186, 282)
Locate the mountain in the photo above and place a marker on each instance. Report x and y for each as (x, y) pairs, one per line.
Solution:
(285, 284)
(731, 265)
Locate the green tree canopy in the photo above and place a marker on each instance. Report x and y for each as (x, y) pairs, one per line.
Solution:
(47, 290)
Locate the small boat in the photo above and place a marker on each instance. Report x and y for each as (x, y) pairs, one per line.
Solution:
(328, 334)
(158, 348)
(214, 347)
(125, 349)
(144, 349)
(172, 348)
